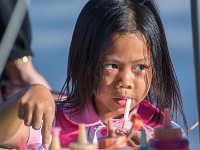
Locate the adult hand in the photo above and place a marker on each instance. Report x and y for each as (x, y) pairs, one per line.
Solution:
(36, 107)
(20, 74)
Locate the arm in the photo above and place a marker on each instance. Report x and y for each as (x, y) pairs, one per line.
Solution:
(26, 108)
(18, 70)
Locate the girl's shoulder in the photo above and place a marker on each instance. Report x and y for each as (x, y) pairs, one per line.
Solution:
(78, 117)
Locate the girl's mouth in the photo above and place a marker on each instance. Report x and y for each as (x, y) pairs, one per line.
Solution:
(120, 101)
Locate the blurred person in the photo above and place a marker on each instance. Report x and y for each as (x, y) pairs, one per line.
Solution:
(19, 70)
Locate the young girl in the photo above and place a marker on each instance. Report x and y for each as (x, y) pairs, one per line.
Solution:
(118, 51)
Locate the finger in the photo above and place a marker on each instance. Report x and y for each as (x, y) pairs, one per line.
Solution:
(28, 116)
(134, 138)
(135, 135)
(37, 120)
(133, 143)
(21, 110)
(46, 130)
(119, 132)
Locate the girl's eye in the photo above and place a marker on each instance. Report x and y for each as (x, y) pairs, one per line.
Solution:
(140, 68)
(111, 66)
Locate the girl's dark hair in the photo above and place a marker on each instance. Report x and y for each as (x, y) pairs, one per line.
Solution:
(97, 22)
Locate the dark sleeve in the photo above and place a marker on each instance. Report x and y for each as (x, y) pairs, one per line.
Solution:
(23, 41)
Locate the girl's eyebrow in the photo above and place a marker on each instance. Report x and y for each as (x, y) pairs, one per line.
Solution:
(142, 59)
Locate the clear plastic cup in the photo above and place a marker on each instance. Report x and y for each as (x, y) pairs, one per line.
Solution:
(118, 124)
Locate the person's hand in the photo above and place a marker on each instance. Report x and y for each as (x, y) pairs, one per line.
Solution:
(20, 74)
(134, 136)
(36, 107)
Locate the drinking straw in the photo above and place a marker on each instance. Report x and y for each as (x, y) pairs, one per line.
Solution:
(126, 112)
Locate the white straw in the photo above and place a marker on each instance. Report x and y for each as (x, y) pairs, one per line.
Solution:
(126, 113)
(127, 108)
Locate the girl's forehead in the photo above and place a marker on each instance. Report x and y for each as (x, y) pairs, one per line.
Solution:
(136, 37)
(128, 47)
(136, 40)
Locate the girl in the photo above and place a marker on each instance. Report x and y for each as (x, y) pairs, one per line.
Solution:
(118, 51)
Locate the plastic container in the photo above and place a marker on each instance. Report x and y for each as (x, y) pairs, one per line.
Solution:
(82, 143)
(168, 137)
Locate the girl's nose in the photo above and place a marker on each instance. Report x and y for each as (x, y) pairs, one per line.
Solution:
(126, 79)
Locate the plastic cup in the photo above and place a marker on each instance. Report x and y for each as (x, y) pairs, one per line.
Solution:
(118, 124)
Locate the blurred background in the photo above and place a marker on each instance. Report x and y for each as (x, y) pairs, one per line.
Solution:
(53, 22)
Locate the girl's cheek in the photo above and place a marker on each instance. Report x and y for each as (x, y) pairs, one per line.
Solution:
(109, 78)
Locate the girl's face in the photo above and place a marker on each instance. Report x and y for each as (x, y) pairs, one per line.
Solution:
(127, 73)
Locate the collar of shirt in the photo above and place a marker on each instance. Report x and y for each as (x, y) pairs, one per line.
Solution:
(89, 116)
(95, 128)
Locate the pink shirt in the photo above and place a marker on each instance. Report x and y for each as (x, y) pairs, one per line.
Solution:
(95, 128)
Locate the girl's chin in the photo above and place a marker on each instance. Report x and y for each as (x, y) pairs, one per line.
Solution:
(118, 116)
(118, 113)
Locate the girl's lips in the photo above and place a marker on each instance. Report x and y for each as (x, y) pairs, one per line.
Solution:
(120, 101)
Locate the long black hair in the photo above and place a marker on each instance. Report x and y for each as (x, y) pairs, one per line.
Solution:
(96, 24)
